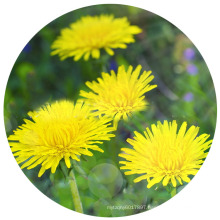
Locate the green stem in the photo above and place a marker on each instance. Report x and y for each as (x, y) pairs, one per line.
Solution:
(75, 192)
(173, 192)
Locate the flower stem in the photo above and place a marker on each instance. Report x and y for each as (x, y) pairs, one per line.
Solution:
(75, 192)
(173, 192)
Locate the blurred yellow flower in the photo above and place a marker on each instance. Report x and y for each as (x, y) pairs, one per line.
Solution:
(88, 35)
(119, 95)
(165, 155)
(60, 130)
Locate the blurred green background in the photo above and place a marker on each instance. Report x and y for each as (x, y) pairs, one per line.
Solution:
(185, 93)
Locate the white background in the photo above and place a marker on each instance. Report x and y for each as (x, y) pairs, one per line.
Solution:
(20, 20)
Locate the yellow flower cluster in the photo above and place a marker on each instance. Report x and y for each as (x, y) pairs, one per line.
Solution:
(87, 36)
(64, 130)
(163, 154)
(60, 130)
(67, 130)
(119, 95)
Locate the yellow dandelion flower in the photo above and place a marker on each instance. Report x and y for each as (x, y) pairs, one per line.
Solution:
(60, 130)
(118, 96)
(164, 155)
(88, 35)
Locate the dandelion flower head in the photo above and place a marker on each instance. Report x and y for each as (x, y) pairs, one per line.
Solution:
(60, 130)
(88, 35)
(164, 155)
(119, 95)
